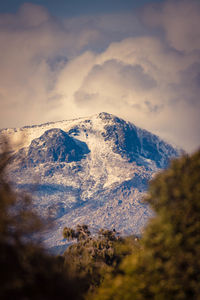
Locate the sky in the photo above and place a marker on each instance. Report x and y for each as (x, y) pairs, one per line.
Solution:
(139, 60)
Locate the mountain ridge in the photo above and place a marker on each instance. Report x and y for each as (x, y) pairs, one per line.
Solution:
(90, 170)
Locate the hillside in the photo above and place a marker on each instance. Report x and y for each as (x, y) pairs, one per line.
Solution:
(90, 170)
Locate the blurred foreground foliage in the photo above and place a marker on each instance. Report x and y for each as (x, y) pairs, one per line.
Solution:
(92, 257)
(26, 270)
(167, 266)
(163, 264)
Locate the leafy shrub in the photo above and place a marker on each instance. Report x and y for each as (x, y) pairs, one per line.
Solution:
(167, 266)
(92, 257)
(26, 270)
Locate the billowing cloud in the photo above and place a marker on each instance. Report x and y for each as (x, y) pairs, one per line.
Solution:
(34, 47)
(113, 84)
(142, 80)
(180, 21)
(52, 69)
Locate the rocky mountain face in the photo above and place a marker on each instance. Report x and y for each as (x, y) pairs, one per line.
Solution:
(53, 146)
(89, 170)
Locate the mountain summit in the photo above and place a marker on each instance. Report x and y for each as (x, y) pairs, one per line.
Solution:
(89, 170)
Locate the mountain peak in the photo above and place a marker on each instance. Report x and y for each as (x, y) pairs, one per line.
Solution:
(92, 170)
(105, 116)
(109, 117)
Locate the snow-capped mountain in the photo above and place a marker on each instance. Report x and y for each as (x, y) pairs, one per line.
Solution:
(89, 170)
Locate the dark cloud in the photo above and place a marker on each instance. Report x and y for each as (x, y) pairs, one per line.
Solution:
(180, 21)
(136, 77)
(153, 108)
(188, 88)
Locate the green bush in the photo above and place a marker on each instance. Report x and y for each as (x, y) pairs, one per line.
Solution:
(167, 266)
(92, 257)
(26, 270)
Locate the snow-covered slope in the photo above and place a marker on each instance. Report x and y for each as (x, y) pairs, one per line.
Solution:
(89, 170)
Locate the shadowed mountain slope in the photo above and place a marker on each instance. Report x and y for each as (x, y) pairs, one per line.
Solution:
(89, 170)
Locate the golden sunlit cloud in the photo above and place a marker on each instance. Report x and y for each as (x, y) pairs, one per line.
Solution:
(53, 69)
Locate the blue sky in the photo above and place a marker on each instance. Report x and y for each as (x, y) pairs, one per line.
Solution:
(77, 7)
(139, 60)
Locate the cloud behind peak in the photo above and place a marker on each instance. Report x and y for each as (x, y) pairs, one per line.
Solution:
(53, 68)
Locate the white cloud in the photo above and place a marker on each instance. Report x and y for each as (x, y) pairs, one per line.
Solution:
(142, 80)
(180, 21)
(34, 47)
(50, 70)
